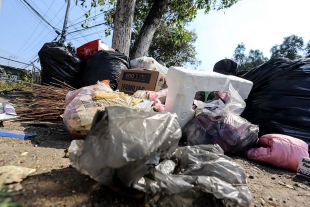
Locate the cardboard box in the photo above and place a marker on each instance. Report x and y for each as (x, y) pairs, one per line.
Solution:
(133, 80)
(304, 167)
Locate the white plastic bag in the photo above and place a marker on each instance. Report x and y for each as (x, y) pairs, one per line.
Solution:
(148, 63)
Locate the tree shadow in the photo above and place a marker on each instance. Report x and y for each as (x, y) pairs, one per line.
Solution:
(48, 134)
(67, 187)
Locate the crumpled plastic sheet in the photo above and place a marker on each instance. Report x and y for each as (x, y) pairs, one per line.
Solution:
(204, 177)
(123, 143)
(233, 133)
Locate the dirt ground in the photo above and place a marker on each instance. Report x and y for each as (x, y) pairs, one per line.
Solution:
(55, 183)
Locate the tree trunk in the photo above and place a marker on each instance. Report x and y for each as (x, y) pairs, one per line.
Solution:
(123, 25)
(143, 42)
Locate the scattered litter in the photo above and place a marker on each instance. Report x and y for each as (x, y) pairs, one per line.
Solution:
(16, 134)
(24, 154)
(204, 177)
(222, 125)
(286, 185)
(11, 174)
(279, 150)
(7, 111)
(122, 143)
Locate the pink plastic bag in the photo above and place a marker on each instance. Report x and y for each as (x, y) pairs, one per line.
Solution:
(279, 150)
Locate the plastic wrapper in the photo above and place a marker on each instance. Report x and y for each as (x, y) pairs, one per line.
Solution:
(123, 142)
(218, 122)
(233, 133)
(105, 65)
(82, 104)
(204, 177)
(61, 63)
(158, 99)
(7, 111)
(148, 63)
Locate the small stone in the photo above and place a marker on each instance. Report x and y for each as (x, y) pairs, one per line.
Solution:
(284, 201)
(251, 176)
(273, 178)
(73, 191)
(262, 202)
(35, 145)
(271, 199)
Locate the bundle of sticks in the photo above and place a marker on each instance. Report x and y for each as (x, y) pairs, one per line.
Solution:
(46, 102)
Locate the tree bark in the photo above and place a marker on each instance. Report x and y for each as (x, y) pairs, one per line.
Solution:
(123, 25)
(152, 21)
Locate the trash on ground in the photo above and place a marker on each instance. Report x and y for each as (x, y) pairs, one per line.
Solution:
(304, 167)
(148, 63)
(219, 123)
(7, 111)
(105, 65)
(59, 63)
(86, 50)
(183, 85)
(279, 150)
(133, 80)
(11, 174)
(123, 143)
(83, 103)
(204, 177)
(16, 134)
(276, 82)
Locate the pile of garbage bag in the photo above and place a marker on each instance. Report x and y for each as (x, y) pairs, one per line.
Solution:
(105, 65)
(83, 103)
(278, 101)
(204, 176)
(131, 148)
(218, 121)
(59, 63)
(123, 142)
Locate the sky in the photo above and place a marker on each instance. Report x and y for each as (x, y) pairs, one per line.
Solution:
(259, 24)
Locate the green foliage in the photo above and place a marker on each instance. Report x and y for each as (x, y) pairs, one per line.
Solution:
(172, 43)
(19, 86)
(250, 61)
(6, 197)
(164, 49)
(291, 48)
(180, 12)
(307, 49)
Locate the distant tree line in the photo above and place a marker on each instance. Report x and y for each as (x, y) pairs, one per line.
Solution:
(293, 47)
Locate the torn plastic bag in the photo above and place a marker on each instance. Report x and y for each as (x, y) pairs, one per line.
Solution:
(148, 63)
(105, 65)
(61, 63)
(222, 125)
(122, 142)
(233, 103)
(232, 132)
(204, 177)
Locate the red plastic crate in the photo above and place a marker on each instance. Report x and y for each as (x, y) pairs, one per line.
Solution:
(86, 50)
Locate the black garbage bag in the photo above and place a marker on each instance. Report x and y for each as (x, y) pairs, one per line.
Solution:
(203, 177)
(61, 63)
(280, 99)
(226, 67)
(105, 65)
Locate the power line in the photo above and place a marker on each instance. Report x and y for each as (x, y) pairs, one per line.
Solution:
(104, 23)
(55, 29)
(34, 29)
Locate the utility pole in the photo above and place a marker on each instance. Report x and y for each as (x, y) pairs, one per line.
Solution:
(64, 29)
